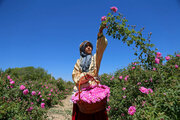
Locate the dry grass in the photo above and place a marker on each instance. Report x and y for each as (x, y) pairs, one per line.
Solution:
(64, 112)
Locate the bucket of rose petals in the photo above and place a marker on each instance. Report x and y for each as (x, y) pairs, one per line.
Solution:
(93, 98)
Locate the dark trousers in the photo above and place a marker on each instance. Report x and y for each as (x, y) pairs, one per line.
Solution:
(77, 115)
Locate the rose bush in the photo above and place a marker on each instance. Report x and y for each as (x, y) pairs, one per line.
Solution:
(147, 75)
(153, 93)
(29, 99)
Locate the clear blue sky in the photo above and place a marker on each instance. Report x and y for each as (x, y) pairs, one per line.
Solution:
(47, 34)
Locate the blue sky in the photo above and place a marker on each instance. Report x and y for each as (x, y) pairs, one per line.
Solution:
(47, 34)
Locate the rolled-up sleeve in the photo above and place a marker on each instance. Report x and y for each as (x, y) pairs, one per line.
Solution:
(100, 47)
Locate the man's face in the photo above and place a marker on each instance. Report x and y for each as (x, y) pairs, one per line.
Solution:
(88, 48)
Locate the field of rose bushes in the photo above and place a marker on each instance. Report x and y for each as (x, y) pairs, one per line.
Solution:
(136, 93)
(27, 93)
(140, 94)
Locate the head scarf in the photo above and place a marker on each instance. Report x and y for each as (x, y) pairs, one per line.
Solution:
(85, 59)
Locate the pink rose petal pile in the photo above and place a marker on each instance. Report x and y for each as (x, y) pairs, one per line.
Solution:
(92, 94)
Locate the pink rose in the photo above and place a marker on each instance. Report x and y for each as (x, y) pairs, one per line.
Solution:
(108, 109)
(103, 18)
(157, 60)
(149, 89)
(126, 78)
(138, 83)
(124, 88)
(30, 109)
(26, 91)
(50, 94)
(133, 68)
(167, 58)
(143, 90)
(177, 55)
(22, 87)
(158, 54)
(51, 90)
(112, 78)
(176, 66)
(132, 110)
(134, 63)
(120, 77)
(42, 105)
(8, 77)
(154, 69)
(124, 97)
(114, 9)
(39, 93)
(33, 93)
(12, 82)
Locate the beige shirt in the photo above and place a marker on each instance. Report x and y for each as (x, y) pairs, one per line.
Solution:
(94, 66)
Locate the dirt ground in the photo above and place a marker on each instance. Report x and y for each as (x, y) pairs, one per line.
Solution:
(58, 112)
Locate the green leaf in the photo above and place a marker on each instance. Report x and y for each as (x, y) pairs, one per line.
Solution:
(118, 17)
(133, 31)
(135, 53)
(109, 14)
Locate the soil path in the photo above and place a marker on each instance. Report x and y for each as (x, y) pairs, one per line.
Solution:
(64, 112)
